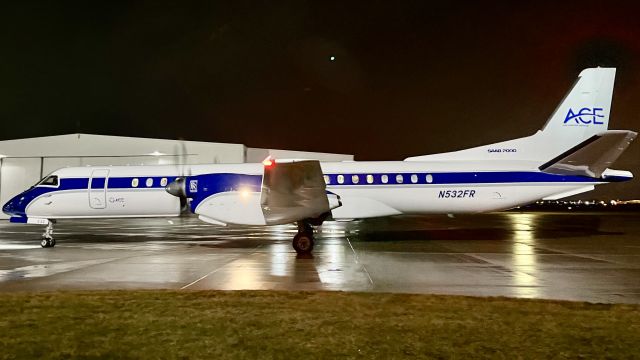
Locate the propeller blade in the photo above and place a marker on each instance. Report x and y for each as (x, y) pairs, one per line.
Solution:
(177, 187)
(183, 159)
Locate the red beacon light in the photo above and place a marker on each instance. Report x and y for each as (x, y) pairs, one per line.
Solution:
(269, 162)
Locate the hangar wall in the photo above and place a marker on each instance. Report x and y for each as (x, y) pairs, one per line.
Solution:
(25, 161)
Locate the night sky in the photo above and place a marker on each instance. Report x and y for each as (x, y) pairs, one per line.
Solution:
(382, 80)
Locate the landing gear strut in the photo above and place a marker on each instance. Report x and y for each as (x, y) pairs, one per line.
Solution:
(303, 241)
(47, 238)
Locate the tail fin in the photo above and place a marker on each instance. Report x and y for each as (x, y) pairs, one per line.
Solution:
(582, 114)
(584, 111)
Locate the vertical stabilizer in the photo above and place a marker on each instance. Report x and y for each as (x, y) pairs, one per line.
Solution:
(585, 109)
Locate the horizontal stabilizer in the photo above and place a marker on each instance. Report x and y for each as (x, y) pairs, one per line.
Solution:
(592, 156)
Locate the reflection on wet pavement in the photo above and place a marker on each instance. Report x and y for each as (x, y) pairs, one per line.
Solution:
(590, 257)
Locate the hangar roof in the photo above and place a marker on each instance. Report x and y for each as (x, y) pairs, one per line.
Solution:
(73, 145)
(91, 145)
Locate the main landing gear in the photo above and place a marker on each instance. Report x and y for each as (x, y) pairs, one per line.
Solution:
(47, 238)
(303, 241)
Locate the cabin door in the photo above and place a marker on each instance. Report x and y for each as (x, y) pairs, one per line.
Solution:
(98, 189)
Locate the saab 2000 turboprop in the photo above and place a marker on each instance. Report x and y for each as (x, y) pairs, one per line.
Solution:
(570, 155)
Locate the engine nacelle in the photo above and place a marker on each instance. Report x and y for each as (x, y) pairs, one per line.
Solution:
(233, 207)
(249, 208)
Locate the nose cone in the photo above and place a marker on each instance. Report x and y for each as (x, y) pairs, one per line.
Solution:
(177, 188)
(8, 207)
(14, 206)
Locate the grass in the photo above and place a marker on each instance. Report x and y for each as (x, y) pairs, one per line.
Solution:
(272, 324)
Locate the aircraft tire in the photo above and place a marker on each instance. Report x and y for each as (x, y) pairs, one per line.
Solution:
(303, 243)
(47, 242)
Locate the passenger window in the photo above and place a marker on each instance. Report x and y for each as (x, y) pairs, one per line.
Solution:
(399, 179)
(163, 182)
(134, 182)
(355, 179)
(385, 179)
(369, 179)
(327, 180)
(414, 178)
(340, 179)
(429, 178)
(149, 182)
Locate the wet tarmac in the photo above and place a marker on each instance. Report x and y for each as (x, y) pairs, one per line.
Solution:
(588, 257)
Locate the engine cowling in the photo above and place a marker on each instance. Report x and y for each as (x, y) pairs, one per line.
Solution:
(247, 208)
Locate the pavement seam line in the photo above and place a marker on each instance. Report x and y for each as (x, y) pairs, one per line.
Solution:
(355, 256)
(215, 270)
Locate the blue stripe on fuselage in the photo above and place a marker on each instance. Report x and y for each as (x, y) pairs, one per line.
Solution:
(497, 177)
(127, 182)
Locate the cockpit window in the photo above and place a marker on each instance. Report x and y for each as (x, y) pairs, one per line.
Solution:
(51, 180)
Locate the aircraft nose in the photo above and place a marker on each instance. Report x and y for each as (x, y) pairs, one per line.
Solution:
(13, 207)
(9, 207)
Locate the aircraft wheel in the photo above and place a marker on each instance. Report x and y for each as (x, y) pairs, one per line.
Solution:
(47, 242)
(303, 243)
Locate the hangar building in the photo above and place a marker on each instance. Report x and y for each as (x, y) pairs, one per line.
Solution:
(25, 161)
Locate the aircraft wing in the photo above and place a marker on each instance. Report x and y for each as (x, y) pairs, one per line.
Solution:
(294, 191)
(592, 156)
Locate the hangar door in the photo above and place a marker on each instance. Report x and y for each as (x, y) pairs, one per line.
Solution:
(98, 189)
(16, 175)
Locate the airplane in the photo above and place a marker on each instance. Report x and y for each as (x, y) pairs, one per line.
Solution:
(570, 155)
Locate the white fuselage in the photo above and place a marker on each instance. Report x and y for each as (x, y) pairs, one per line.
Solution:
(366, 189)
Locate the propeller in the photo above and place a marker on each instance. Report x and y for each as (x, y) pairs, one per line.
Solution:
(177, 187)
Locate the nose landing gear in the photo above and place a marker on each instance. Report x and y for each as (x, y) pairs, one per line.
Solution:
(47, 238)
